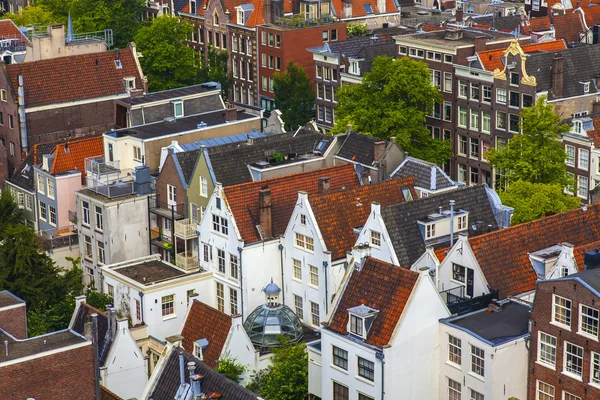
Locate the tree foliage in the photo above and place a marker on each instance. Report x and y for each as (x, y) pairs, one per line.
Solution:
(287, 377)
(536, 155)
(167, 61)
(356, 30)
(392, 101)
(229, 367)
(294, 96)
(536, 200)
(28, 272)
(97, 299)
(33, 15)
(214, 69)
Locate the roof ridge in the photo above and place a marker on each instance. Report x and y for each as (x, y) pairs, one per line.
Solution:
(211, 308)
(402, 181)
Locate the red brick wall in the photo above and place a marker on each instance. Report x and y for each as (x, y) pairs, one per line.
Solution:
(60, 376)
(541, 316)
(14, 321)
(170, 176)
(8, 135)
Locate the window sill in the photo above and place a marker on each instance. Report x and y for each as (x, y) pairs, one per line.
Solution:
(572, 376)
(453, 365)
(549, 366)
(594, 385)
(588, 336)
(475, 376)
(340, 369)
(364, 380)
(562, 326)
(169, 317)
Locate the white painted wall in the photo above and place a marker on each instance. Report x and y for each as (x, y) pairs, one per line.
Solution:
(412, 360)
(505, 367)
(125, 373)
(385, 252)
(314, 372)
(239, 346)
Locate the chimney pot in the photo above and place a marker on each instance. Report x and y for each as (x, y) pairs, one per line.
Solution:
(324, 184)
(231, 113)
(558, 64)
(379, 149)
(264, 205)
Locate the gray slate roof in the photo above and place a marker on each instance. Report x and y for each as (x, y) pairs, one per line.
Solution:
(350, 47)
(168, 381)
(507, 23)
(187, 162)
(39, 344)
(381, 47)
(424, 173)
(591, 277)
(581, 64)
(173, 94)
(359, 148)
(104, 337)
(403, 228)
(230, 162)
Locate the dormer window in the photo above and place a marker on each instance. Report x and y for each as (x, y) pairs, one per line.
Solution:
(129, 83)
(354, 68)
(178, 109)
(199, 346)
(586, 87)
(240, 16)
(360, 320)
(430, 231)
(193, 6)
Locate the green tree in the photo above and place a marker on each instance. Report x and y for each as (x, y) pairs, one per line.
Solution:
(214, 69)
(167, 61)
(10, 213)
(536, 155)
(229, 367)
(392, 101)
(33, 15)
(294, 96)
(97, 299)
(356, 30)
(287, 377)
(535, 200)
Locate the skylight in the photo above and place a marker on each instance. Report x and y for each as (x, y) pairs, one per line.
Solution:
(368, 8)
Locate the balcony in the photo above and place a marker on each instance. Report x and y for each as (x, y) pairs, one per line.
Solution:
(106, 178)
(459, 304)
(187, 260)
(166, 209)
(161, 240)
(185, 229)
(301, 21)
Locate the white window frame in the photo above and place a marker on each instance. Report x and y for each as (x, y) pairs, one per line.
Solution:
(51, 188)
(568, 310)
(304, 242)
(313, 276)
(299, 306)
(375, 238)
(583, 162)
(203, 186)
(477, 361)
(315, 317)
(296, 267)
(454, 350)
(545, 391)
(177, 104)
(570, 369)
(164, 302)
(546, 347)
(583, 326)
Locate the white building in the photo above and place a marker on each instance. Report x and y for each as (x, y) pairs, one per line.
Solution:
(155, 293)
(380, 338)
(485, 353)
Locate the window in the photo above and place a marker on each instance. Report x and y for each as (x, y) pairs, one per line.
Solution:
(448, 58)
(474, 119)
(51, 191)
(314, 314)
(588, 320)
(220, 297)
(448, 82)
(110, 290)
(41, 188)
(364, 396)
(475, 395)
(325, 36)
(137, 153)
(220, 224)
(28, 202)
(474, 147)
(584, 159)
(194, 212)
(168, 305)
(454, 350)
(513, 123)
(474, 176)
(447, 111)
(305, 242)
(43, 211)
(99, 222)
(207, 253)
(366, 369)
(12, 149)
(487, 93)
(477, 360)
(234, 269)
(277, 41)
(462, 173)
(436, 78)
(474, 92)
(570, 155)
(314, 275)
(171, 195)
(52, 212)
(249, 47)
(298, 306)
(454, 390)
(20, 199)
(297, 269)
(595, 378)
(462, 145)
(514, 99)
(138, 310)
(221, 259)
(501, 96)
(87, 248)
(375, 238)
(100, 251)
(486, 121)
(263, 37)
(271, 37)
(573, 362)
(569, 396)
(462, 222)
(178, 109)
(527, 100)
(403, 50)
(500, 120)
(462, 89)
(514, 78)
(3, 94)
(340, 392)
(545, 391)
(233, 301)
(462, 117)
(356, 325)
(340, 358)
(430, 231)
(582, 186)
(203, 186)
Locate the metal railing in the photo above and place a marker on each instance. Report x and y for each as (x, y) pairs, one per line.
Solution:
(458, 304)
(300, 21)
(166, 208)
(99, 36)
(106, 178)
(52, 239)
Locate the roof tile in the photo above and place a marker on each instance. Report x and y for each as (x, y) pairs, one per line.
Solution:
(70, 156)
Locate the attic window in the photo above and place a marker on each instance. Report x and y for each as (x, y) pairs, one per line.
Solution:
(240, 16)
(407, 194)
(129, 83)
(218, 203)
(360, 320)
(118, 64)
(199, 346)
(586, 87)
(368, 9)
(430, 231)
(178, 109)
(193, 6)
(3, 95)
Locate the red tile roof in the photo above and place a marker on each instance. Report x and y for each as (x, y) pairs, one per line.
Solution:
(538, 24)
(568, 27)
(492, 59)
(381, 286)
(71, 156)
(504, 255)
(338, 213)
(441, 253)
(431, 28)
(8, 30)
(243, 198)
(358, 9)
(591, 15)
(205, 322)
(579, 253)
(74, 78)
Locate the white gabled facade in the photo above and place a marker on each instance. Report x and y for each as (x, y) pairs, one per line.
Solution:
(407, 368)
(385, 250)
(237, 290)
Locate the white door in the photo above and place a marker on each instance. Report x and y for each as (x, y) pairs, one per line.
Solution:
(171, 196)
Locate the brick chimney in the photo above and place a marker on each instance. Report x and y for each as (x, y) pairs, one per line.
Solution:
(324, 184)
(459, 15)
(558, 65)
(596, 107)
(379, 149)
(264, 205)
(230, 113)
(479, 43)
(268, 12)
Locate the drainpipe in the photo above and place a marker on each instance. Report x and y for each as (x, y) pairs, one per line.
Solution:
(325, 264)
(96, 361)
(240, 249)
(142, 305)
(22, 118)
(452, 202)
(282, 280)
(381, 357)
(149, 226)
